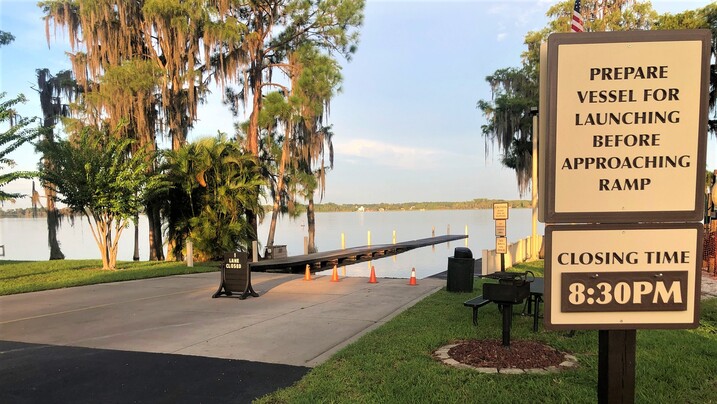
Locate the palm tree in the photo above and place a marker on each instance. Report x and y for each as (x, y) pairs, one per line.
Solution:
(317, 82)
(52, 89)
(213, 183)
(321, 141)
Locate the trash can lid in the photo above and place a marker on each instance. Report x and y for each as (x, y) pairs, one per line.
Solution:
(462, 252)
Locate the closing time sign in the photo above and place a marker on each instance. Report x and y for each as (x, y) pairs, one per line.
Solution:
(627, 125)
(623, 276)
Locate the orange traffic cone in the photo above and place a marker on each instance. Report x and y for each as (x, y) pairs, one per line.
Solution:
(372, 278)
(335, 275)
(412, 282)
(307, 275)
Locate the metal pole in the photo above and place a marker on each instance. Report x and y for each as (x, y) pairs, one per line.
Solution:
(534, 188)
(507, 318)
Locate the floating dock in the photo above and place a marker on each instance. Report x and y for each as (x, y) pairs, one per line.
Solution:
(324, 260)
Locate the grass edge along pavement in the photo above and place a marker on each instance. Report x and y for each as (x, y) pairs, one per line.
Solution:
(394, 363)
(34, 276)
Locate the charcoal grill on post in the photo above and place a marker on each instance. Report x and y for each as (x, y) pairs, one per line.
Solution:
(512, 288)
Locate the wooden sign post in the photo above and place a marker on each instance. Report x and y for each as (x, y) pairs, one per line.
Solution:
(235, 276)
(500, 215)
(624, 181)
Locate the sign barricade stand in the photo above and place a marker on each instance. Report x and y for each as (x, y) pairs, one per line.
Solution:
(235, 276)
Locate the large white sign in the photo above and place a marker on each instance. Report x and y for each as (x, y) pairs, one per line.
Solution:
(627, 126)
(623, 276)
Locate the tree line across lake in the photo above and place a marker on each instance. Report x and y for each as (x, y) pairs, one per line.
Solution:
(480, 203)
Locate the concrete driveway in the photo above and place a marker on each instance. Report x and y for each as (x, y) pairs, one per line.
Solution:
(163, 325)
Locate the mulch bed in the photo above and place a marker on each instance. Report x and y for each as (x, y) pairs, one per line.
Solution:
(492, 354)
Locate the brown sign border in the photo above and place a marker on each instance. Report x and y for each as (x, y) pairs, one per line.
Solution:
(558, 39)
(501, 245)
(497, 207)
(549, 229)
(501, 227)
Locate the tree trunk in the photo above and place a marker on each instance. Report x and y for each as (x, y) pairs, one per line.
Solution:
(311, 221)
(102, 244)
(152, 239)
(177, 247)
(253, 141)
(174, 249)
(155, 233)
(53, 223)
(108, 244)
(135, 257)
(272, 224)
(279, 186)
(251, 219)
(49, 112)
(53, 217)
(255, 81)
(158, 244)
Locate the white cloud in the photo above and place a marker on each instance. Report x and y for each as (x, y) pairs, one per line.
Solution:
(501, 36)
(386, 154)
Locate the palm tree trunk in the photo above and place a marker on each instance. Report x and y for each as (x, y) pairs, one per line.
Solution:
(155, 233)
(53, 217)
(49, 112)
(53, 223)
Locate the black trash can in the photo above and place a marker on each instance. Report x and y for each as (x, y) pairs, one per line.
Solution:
(460, 271)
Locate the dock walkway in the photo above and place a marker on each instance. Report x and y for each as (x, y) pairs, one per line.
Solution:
(323, 260)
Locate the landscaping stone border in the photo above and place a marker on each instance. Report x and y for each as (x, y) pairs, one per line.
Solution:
(441, 354)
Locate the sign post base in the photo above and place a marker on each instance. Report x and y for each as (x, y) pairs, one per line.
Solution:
(616, 366)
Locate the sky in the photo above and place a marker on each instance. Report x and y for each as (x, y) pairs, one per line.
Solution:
(406, 127)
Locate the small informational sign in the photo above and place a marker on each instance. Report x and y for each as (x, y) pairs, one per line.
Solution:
(626, 137)
(500, 211)
(235, 276)
(501, 228)
(501, 245)
(623, 276)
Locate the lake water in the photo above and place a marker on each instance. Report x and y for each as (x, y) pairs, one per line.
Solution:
(26, 239)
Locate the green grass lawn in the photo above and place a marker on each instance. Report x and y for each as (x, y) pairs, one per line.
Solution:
(32, 276)
(393, 364)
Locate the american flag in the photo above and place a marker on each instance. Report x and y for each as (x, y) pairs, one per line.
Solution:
(577, 23)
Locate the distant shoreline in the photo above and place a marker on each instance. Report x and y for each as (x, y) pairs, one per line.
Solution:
(408, 206)
(332, 207)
